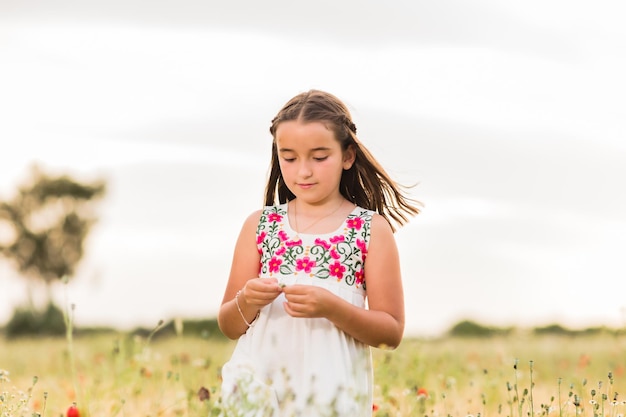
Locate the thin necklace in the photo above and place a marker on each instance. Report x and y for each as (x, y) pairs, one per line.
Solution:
(295, 218)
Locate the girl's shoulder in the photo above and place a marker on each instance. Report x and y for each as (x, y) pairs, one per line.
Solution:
(380, 226)
(251, 222)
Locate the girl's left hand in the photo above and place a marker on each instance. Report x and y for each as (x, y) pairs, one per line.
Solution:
(307, 301)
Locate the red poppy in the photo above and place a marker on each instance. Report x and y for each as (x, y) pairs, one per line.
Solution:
(73, 411)
(421, 392)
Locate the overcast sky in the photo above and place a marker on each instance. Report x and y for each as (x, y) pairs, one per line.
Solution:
(510, 116)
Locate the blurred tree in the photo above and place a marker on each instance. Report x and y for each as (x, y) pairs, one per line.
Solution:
(44, 226)
(468, 328)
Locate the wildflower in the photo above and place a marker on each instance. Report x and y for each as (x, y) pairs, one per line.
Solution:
(584, 361)
(4, 376)
(73, 411)
(422, 393)
(374, 407)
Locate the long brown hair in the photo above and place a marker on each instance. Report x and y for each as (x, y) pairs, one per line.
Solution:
(366, 183)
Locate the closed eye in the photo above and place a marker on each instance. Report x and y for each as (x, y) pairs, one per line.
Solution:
(321, 158)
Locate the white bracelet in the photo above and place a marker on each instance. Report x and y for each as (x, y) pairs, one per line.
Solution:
(241, 312)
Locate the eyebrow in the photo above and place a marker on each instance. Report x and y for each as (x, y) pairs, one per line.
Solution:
(321, 148)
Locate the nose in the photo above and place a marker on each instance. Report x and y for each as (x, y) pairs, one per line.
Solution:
(304, 169)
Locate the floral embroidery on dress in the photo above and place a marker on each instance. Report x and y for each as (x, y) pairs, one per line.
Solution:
(340, 256)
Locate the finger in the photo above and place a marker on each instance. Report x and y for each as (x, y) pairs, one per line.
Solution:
(290, 310)
(259, 287)
(294, 289)
(269, 280)
(270, 284)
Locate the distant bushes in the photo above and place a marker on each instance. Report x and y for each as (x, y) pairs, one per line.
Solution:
(205, 328)
(557, 329)
(26, 322)
(50, 322)
(468, 328)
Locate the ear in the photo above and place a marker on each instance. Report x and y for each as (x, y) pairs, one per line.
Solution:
(349, 155)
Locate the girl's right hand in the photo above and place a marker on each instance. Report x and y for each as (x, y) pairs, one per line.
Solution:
(259, 292)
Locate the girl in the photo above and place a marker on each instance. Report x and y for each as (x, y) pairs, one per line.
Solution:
(304, 267)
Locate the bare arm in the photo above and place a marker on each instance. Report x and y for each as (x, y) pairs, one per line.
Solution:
(255, 293)
(381, 324)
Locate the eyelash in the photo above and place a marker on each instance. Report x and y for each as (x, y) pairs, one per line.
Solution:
(323, 158)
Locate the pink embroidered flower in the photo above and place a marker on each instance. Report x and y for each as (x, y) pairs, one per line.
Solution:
(280, 251)
(322, 243)
(282, 235)
(355, 223)
(361, 245)
(274, 217)
(334, 254)
(337, 239)
(260, 237)
(337, 270)
(360, 277)
(274, 264)
(294, 243)
(305, 264)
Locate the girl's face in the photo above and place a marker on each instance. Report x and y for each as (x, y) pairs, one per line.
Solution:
(311, 160)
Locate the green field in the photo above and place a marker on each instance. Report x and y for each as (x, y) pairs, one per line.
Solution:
(516, 375)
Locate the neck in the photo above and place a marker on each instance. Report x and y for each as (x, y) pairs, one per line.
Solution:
(327, 213)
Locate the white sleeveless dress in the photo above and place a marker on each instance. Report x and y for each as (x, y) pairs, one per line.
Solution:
(306, 367)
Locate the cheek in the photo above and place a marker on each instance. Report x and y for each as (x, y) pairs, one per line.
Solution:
(285, 168)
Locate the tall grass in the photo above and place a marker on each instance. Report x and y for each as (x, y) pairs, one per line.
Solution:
(519, 375)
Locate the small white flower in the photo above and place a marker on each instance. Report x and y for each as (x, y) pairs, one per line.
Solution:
(4, 376)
